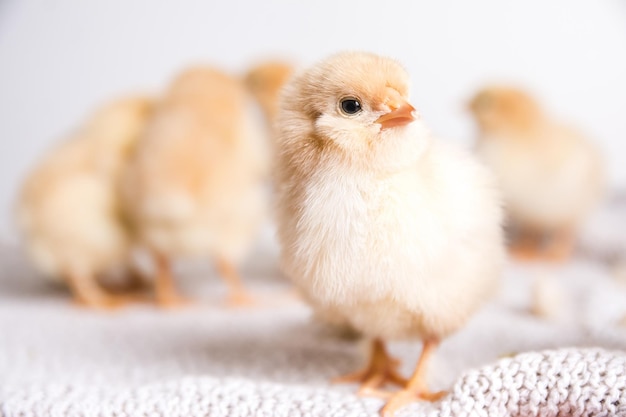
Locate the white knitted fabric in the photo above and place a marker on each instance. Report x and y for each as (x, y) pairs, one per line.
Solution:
(567, 382)
(60, 360)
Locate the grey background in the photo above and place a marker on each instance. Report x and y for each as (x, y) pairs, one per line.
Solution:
(59, 59)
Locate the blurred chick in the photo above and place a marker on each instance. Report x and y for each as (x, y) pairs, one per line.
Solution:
(265, 81)
(68, 209)
(194, 186)
(378, 221)
(549, 174)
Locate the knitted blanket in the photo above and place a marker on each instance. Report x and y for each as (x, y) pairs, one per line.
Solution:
(566, 382)
(57, 359)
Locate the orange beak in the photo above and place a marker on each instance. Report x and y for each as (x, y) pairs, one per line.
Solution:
(402, 113)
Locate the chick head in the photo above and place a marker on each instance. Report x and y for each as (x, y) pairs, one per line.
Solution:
(265, 82)
(504, 109)
(355, 102)
(117, 126)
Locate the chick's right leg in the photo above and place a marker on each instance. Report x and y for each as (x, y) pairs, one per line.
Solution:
(381, 370)
(86, 291)
(164, 287)
(525, 244)
(416, 389)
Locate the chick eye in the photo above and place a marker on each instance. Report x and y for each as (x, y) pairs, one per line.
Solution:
(350, 105)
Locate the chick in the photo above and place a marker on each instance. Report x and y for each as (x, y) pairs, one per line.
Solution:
(265, 81)
(194, 186)
(550, 175)
(380, 223)
(68, 210)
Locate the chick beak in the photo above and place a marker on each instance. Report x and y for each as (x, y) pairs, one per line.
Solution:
(402, 113)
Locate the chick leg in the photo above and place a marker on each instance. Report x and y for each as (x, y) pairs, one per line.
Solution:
(136, 286)
(164, 287)
(238, 295)
(131, 282)
(87, 292)
(526, 245)
(380, 370)
(561, 245)
(416, 389)
(135, 279)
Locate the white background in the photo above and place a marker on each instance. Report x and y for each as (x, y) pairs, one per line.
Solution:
(59, 59)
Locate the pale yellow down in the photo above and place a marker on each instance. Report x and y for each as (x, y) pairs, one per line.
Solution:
(68, 209)
(195, 184)
(550, 175)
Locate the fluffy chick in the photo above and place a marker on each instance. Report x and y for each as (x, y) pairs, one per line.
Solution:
(265, 81)
(194, 186)
(379, 222)
(68, 210)
(549, 174)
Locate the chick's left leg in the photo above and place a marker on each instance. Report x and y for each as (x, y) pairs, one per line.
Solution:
(86, 291)
(525, 244)
(238, 294)
(561, 245)
(416, 389)
(380, 370)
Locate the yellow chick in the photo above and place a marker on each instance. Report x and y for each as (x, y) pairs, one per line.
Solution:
(550, 175)
(68, 210)
(195, 184)
(380, 223)
(265, 81)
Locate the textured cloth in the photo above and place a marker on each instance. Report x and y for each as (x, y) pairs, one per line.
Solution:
(57, 359)
(568, 382)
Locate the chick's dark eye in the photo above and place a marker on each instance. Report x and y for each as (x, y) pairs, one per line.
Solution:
(350, 106)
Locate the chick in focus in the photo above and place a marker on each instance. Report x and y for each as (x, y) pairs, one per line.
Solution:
(550, 175)
(68, 210)
(379, 223)
(195, 185)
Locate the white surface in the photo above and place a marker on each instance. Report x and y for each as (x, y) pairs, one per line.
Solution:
(60, 360)
(59, 59)
(566, 382)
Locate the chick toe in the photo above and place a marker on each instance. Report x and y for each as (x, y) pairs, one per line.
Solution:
(381, 370)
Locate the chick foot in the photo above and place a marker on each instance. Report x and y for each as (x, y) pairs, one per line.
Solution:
(87, 293)
(381, 370)
(240, 298)
(525, 248)
(560, 246)
(408, 396)
(524, 253)
(416, 388)
(542, 246)
(172, 300)
(101, 303)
